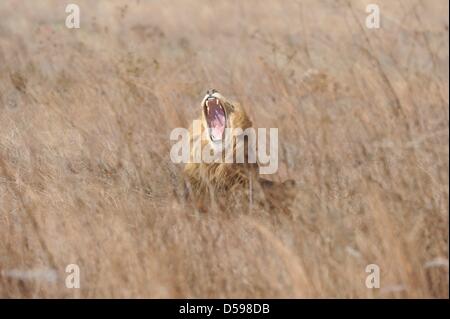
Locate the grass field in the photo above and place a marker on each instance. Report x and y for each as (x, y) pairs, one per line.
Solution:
(85, 173)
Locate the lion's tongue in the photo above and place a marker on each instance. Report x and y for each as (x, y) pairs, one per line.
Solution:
(217, 123)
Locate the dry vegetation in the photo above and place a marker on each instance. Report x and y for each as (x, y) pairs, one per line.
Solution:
(85, 174)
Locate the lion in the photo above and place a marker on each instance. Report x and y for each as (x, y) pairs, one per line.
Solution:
(221, 180)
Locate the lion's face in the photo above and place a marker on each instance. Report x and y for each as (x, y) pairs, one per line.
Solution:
(216, 113)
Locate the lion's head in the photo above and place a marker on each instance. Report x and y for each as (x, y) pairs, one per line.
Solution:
(219, 114)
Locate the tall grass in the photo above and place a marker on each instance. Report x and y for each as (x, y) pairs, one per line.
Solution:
(85, 173)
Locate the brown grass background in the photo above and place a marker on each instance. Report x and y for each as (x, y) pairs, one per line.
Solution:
(85, 173)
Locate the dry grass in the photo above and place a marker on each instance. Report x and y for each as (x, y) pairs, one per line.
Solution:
(85, 174)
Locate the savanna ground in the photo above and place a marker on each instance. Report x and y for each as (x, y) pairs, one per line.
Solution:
(85, 173)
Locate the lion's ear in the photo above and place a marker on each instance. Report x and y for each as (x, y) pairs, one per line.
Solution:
(230, 106)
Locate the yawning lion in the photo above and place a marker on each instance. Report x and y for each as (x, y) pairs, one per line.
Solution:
(221, 179)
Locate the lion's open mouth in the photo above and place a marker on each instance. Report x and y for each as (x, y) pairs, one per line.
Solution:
(215, 118)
